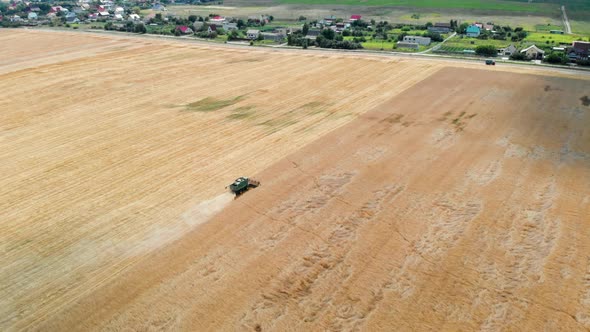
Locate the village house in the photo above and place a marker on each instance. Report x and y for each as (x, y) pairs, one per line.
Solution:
(418, 40)
(275, 37)
(230, 26)
(57, 9)
(328, 20)
(533, 52)
(440, 28)
(252, 34)
(507, 51)
(354, 18)
(198, 25)
(32, 16)
(72, 20)
(580, 50)
(159, 6)
(134, 17)
(473, 31)
(184, 30)
(212, 28)
(217, 20)
(312, 34)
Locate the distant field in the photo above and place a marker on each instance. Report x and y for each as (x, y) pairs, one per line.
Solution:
(580, 26)
(495, 5)
(576, 9)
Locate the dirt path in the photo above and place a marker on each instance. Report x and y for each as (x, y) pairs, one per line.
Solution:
(453, 206)
(566, 22)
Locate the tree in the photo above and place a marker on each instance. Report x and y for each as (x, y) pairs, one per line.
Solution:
(233, 35)
(140, 28)
(192, 18)
(556, 58)
(328, 34)
(462, 29)
(453, 24)
(434, 36)
(305, 29)
(517, 56)
(401, 36)
(486, 50)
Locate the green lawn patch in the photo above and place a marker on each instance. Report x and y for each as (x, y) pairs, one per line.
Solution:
(547, 27)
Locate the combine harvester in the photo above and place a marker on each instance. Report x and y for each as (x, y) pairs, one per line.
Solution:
(243, 184)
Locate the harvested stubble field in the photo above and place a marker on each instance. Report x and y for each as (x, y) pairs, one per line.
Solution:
(397, 194)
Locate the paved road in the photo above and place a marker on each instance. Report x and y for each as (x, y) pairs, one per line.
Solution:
(423, 57)
(568, 28)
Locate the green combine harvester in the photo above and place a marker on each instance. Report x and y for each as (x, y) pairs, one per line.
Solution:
(243, 184)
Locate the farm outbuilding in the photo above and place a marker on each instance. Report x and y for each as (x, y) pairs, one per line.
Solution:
(418, 40)
(408, 45)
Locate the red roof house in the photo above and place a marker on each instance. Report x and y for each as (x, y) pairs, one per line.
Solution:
(355, 17)
(184, 29)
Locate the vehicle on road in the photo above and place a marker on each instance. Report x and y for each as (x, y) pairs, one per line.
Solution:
(490, 62)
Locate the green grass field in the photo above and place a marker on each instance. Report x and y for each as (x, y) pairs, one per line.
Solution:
(543, 38)
(471, 43)
(582, 27)
(489, 5)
